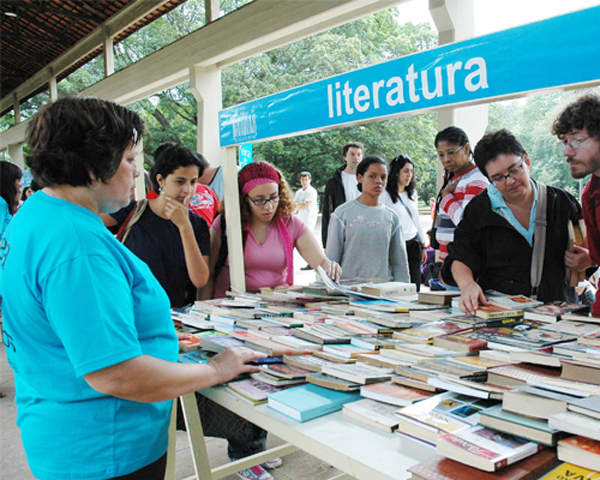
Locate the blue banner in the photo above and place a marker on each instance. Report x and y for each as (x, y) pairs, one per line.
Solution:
(559, 51)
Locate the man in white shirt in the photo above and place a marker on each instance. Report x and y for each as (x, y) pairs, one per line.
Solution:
(342, 187)
(306, 201)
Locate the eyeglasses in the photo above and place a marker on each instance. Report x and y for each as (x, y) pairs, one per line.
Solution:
(261, 202)
(512, 173)
(574, 143)
(449, 153)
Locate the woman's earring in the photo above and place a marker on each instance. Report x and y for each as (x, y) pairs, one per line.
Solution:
(160, 190)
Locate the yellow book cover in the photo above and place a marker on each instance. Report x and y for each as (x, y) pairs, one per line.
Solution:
(568, 471)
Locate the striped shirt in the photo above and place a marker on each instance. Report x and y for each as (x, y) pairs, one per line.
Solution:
(470, 183)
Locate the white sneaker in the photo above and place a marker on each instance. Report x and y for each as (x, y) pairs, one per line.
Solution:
(274, 463)
(255, 473)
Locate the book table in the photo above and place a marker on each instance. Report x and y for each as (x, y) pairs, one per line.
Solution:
(359, 451)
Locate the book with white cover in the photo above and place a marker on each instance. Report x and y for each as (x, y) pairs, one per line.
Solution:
(377, 414)
(360, 372)
(577, 424)
(485, 449)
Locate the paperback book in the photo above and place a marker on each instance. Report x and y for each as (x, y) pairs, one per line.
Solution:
(359, 373)
(375, 414)
(581, 451)
(394, 394)
(485, 449)
(309, 401)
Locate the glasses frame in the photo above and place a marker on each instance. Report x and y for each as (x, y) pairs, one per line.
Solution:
(512, 173)
(574, 143)
(450, 153)
(261, 202)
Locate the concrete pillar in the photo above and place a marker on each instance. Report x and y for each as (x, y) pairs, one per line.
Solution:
(140, 186)
(212, 10)
(16, 155)
(109, 55)
(205, 84)
(455, 21)
(53, 86)
(233, 217)
(17, 108)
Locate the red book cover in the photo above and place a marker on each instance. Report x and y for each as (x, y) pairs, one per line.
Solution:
(583, 443)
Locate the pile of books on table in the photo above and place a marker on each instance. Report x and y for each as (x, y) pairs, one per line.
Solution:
(499, 392)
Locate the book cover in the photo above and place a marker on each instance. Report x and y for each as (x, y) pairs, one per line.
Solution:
(254, 390)
(346, 350)
(460, 342)
(389, 289)
(425, 333)
(359, 373)
(577, 424)
(309, 401)
(567, 471)
(273, 380)
(442, 468)
(306, 362)
(394, 394)
(485, 449)
(581, 451)
(284, 371)
(513, 375)
(580, 371)
(552, 312)
(590, 338)
(571, 327)
(515, 302)
(218, 343)
(443, 297)
(375, 342)
(375, 414)
(589, 406)
(333, 383)
(493, 311)
(520, 425)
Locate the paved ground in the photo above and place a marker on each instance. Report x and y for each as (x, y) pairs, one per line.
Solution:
(297, 466)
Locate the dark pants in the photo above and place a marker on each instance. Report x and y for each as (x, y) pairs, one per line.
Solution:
(413, 252)
(154, 471)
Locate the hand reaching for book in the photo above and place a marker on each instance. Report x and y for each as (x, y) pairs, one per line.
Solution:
(232, 361)
(471, 295)
(578, 259)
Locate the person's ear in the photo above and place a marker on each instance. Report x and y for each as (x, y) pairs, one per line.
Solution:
(526, 159)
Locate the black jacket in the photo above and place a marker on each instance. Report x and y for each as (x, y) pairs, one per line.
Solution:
(333, 197)
(500, 257)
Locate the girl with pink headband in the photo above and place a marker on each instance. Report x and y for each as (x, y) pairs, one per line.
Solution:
(270, 233)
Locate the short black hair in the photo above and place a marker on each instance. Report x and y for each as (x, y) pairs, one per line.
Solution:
(495, 143)
(77, 138)
(349, 145)
(169, 156)
(9, 173)
(452, 135)
(582, 113)
(364, 165)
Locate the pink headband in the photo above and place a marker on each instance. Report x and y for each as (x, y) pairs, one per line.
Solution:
(255, 174)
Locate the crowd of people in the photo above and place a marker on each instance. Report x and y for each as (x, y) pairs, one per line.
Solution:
(111, 344)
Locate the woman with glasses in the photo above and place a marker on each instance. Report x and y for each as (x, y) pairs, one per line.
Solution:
(401, 196)
(462, 182)
(494, 243)
(270, 232)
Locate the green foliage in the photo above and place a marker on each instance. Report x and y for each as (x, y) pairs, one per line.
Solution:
(531, 121)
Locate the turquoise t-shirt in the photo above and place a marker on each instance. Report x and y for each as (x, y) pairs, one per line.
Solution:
(74, 301)
(5, 216)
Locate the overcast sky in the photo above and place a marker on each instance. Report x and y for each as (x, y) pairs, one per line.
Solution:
(494, 15)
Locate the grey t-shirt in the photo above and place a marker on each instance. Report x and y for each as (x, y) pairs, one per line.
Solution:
(367, 242)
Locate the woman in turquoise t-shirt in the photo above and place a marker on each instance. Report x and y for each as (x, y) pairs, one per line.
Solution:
(10, 191)
(87, 327)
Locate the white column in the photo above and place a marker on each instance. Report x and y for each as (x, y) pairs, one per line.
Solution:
(16, 155)
(455, 21)
(205, 84)
(109, 54)
(53, 86)
(140, 186)
(17, 108)
(233, 218)
(212, 10)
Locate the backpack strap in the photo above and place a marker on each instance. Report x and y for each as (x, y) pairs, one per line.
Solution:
(539, 246)
(131, 220)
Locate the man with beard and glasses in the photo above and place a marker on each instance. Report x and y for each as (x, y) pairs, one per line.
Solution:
(578, 130)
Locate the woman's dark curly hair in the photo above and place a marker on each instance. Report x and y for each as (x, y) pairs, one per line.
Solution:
(77, 139)
(396, 166)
